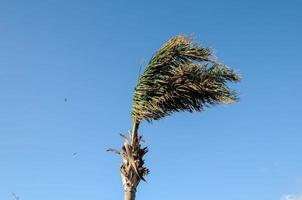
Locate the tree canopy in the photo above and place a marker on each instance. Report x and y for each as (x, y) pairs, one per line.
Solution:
(181, 76)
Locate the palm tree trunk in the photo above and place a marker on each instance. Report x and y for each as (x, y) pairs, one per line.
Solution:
(129, 195)
(134, 134)
(129, 176)
(130, 182)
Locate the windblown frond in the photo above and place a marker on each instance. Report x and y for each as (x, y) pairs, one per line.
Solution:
(181, 76)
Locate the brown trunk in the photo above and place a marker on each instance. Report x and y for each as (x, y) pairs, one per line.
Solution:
(129, 194)
(130, 183)
(132, 169)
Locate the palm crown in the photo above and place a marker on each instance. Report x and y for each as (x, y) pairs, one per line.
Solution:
(181, 76)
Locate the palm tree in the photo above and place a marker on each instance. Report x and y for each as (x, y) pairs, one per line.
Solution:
(181, 76)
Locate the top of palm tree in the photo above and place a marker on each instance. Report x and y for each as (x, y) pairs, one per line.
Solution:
(181, 76)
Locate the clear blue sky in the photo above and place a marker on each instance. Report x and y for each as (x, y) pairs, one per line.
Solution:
(89, 52)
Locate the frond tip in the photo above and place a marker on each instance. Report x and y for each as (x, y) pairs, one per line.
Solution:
(181, 76)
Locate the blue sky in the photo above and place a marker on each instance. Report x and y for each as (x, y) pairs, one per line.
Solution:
(89, 52)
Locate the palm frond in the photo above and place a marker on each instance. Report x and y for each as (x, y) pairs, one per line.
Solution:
(114, 151)
(181, 76)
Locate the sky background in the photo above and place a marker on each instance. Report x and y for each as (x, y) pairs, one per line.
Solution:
(89, 52)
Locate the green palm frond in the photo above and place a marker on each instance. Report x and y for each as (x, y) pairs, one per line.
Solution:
(181, 76)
